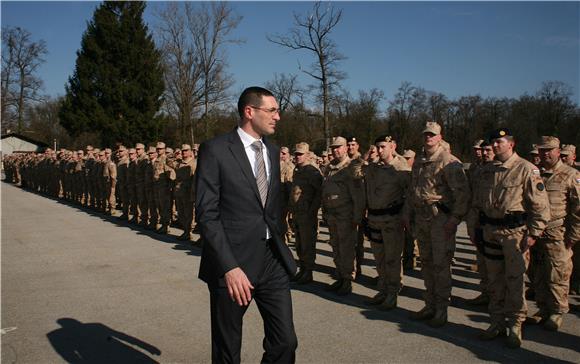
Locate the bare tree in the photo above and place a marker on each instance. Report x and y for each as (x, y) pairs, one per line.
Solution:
(311, 32)
(181, 68)
(192, 38)
(210, 27)
(21, 58)
(285, 88)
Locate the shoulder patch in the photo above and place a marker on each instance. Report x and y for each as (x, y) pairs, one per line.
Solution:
(536, 171)
(577, 180)
(540, 186)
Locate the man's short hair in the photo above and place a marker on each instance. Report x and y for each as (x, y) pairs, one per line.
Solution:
(252, 96)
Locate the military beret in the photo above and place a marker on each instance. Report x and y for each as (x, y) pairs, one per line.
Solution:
(384, 138)
(351, 139)
(500, 133)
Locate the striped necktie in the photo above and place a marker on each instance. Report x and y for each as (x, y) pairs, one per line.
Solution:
(261, 179)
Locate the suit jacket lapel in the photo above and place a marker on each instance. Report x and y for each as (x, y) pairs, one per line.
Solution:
(237, 149)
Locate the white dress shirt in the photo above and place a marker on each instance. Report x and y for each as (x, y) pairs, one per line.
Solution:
(247, 141)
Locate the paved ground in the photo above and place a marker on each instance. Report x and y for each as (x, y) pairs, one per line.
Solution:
(80, 286)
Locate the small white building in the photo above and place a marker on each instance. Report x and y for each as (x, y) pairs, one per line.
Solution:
(13, 142)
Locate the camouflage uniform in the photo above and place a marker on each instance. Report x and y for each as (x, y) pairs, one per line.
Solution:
(386, 186)
(513, 204)
(438, 195)
(305, 194)
(552, 263)
(342, 206)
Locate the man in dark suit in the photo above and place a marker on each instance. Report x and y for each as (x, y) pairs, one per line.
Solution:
(238, 208)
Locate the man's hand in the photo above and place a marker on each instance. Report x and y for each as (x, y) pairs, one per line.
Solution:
(239, 286)
(527, 242)
(450, 227)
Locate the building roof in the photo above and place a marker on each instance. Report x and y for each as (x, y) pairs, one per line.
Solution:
(25, 138)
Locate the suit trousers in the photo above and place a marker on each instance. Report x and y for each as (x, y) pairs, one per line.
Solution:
(272, 295)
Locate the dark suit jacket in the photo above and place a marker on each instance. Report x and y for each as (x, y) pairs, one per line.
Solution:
(230, 213)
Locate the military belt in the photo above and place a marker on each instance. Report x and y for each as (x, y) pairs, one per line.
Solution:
(510, 221)
(392, 209)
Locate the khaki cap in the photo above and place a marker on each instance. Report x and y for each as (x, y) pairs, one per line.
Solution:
(102, 153)
(160, 145)
(108, 150)
(408, 153)
(432, 127)
(477, 144)
(548, 142)
(139, 145)
(196, 146)
(122, 147)
(324, 153)
(534, 149)
(169, 150)
(568, 149)
(185, 147)
(151, 150)
(301, 148)
(338, 141)
(96, 150)
(89, 147)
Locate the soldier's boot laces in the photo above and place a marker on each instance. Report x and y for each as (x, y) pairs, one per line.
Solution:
(426, 313)
(514, 339)
(439, 320)
(389, 303)
(553, 322)
(493, 331)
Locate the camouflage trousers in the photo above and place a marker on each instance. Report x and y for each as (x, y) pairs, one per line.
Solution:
(506, 265)
(552, 270)
(343, 240)
(142, 203)
(152, 211)
(184, 206)
(164, 202)
(305, 230)
(436, 251)
(388, 254)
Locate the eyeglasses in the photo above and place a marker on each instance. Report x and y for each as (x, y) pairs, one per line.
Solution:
(270, 111)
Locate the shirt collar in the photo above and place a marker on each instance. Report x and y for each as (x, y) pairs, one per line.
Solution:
(247, 139)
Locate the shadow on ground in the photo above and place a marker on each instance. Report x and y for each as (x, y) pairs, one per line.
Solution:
(94, 342)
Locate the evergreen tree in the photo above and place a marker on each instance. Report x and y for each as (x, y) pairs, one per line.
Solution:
(118, 80)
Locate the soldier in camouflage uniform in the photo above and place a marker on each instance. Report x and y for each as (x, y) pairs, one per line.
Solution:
(142, 165)
(472, 220)
(514, 209)
(184, 182)
(305, 194)
(163, 178)
(286, 172)
(357, 162)
(342, 206)
(149, 189)
(110, 182)
(439, 198)
(122, 176)
(131, 186)
(386, 184)
(552, 251)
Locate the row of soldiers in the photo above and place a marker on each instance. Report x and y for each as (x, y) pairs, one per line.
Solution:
(509, 204)
(512, 208)
(150, 186)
